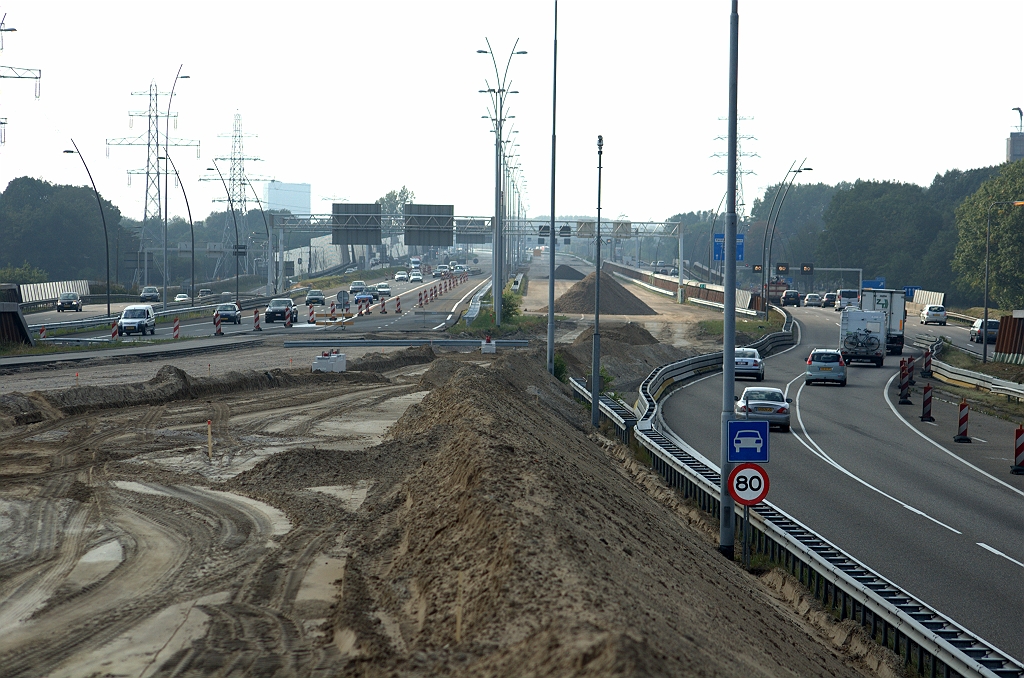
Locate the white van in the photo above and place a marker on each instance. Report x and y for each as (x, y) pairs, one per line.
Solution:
(138, 318)
(846, 298)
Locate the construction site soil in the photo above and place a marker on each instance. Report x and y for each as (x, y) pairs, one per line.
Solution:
(419, 515)
(615, 299)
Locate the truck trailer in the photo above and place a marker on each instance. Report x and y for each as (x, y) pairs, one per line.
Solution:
(862, 336)
(893, 304)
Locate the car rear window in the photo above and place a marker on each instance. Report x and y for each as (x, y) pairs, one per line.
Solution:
(771, 396)
(740, 353)
(825, 357)
(936, 308)
(848, 294)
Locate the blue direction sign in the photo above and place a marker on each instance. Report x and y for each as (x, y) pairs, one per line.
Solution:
(719, 254)
(748, 441)
(908, 291)
(876, 284)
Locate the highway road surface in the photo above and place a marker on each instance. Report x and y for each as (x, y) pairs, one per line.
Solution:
(945, 521)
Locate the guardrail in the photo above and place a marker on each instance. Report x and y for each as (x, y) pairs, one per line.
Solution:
(1010, 389)
(960, 317)
(848, 588)
(474, 304)
(450, 343)
(718, 304)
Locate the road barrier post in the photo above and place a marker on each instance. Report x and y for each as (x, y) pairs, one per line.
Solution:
(904, 383)
(383, 308)
(926, 369)
(419, 298)
(216, 324)
(333, 312)
(910, 371)
(256, 321)
(42, 332)
(176, 327)
(113, 331)
(926, 404)
(398, 304)
(1018, 452)
(961, 432)
(288, 317)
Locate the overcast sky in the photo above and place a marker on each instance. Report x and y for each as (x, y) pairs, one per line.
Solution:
(358, 98)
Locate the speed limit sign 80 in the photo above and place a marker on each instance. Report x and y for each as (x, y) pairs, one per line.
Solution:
(748, 484)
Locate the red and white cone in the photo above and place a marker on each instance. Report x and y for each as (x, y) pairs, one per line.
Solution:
(926, 369)
(216, 324)
(42, 332)
(176, 327)
(312, 315)
(334, 311)
(904, 383)
(288, 317)
(398, 304)
(1018, 452)
(383, 306)
(961, 431)
(910, 371)
(926, 404)
(113, 331)
(256, 321)
(419, 298)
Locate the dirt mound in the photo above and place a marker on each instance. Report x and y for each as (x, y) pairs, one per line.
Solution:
(510, 543)
(615, 299)
(169, 384)
(563, 272)
(385, 362)
(628, 353)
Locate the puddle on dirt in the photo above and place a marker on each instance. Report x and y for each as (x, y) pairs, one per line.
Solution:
(49, 436)
(672, 333)
(352, 496)
(140, 651)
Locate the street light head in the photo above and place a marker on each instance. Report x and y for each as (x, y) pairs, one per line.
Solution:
(483, 51)
(515, 91)
(600, 142)
(184, 77)
(806, 169)
(523, 51)
(211, 169)
(69, 151)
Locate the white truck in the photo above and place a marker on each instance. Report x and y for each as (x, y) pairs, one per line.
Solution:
(893, 304)
(862, 336)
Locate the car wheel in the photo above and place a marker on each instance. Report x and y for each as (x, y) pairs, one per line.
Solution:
(784, 428)
(120, 333)
(807, 382)
(879, 362)
(842, 383)
(943, 323)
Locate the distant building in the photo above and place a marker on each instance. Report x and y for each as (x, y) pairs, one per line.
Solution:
(278, 195)
(1015, 147)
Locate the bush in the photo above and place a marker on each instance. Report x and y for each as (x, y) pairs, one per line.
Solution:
(561, 371)
(510, 303)
(23, 275)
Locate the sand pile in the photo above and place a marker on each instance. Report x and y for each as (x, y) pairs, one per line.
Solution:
(615, 299)
(499, 539)
(169, 384)
(563, 272)
(628, 352)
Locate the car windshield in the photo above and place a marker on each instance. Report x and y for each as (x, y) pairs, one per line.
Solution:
(279, 303)
(315, 293)
(68, 295)
(745, 353)
(226, 307)
(358, 283)
(825, 357)
(771, 396)
(135, 313)
(149, 289)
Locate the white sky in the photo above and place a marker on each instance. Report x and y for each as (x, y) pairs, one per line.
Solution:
(357, 98)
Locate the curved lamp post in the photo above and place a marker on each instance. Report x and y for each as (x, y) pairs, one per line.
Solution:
(191, 230)
(771, 238)
(106, 242)
(595, 370)
(988, 230)
(498, 94)
(266, 225)
(167, 145)
(234, 219)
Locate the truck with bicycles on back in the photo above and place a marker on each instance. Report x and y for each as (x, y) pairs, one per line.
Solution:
(893, 304)
(862, 336)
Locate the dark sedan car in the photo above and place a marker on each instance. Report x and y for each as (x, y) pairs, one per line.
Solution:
(229, 313)
(69, 301)
(278, 309)
(316, 297)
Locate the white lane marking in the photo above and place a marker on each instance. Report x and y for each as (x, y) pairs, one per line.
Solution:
(438, 327)
(999, 553)
(885, 392)
(821, 454)
(979, 439)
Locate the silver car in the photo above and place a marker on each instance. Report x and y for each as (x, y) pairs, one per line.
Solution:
(764, 404)
(989, 335)
(812, 299)
(934, 314)
(825, 365)
(749, 363)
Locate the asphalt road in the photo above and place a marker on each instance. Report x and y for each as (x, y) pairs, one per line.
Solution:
(943, 520)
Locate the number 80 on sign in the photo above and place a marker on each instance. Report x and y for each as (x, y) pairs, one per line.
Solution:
(748, 484)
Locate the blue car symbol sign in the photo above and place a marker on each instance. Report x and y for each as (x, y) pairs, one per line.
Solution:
(748, 441)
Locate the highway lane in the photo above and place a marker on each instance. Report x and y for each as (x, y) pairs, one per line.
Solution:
(946, 524)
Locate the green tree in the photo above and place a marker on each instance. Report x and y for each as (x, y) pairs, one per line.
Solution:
(1006, 238)
(394, 200)
(22, 275)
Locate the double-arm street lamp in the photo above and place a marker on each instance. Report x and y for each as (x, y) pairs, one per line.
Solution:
(106, 241)
(191, 230)
(265, 225)
(769, 239)
(498, 108)
(234, 219)
(988, 231)
(167, 144)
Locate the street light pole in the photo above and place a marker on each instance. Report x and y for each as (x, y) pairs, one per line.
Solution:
(988, 230)
(106, 242)
(191, 230)
(764, 241)
(595, 370)
(234, 219)
(167, 145)
(266, 225)
(771, 238)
